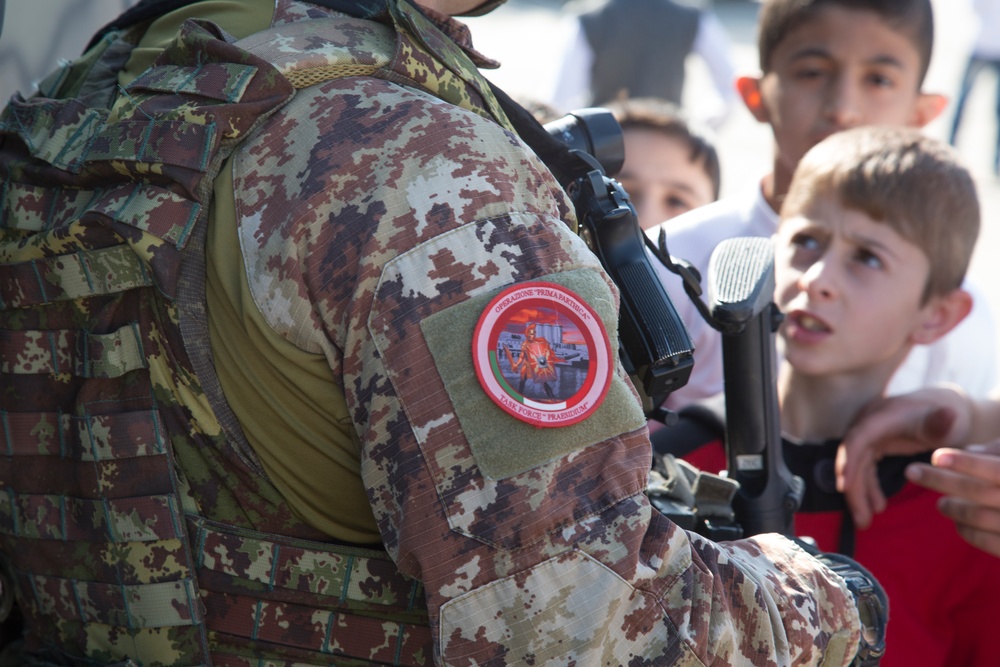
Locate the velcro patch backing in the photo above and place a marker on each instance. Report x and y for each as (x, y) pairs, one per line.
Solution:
(503, 445)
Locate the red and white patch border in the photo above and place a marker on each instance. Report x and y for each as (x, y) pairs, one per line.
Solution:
(557, 298)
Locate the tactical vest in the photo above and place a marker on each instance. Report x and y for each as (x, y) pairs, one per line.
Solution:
(639, 48)
(135, 520)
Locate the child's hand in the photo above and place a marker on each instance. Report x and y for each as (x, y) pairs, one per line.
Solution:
(970, 480)
(917, 422)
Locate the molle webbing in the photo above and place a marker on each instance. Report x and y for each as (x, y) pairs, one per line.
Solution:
(109, 457)
(98, 206)
(80, 353)
(157, 212)
(269, 589)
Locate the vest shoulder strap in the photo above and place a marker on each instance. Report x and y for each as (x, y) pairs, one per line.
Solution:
(311, 52)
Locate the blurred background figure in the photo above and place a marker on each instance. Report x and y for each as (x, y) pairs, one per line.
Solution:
(638, 48)
(670, 166)
(541, 110)
(985, 55)
(38, 35)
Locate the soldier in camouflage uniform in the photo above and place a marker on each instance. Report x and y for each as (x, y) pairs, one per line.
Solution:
(247, 253)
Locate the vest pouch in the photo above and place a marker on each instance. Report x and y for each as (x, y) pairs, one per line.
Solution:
(107, 380)
(55, 658)
(267, 596)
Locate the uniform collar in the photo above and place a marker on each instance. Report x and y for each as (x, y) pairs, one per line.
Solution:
(459, 33)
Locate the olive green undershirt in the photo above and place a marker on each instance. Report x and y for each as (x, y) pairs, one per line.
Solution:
(292, 413)
(239, 18)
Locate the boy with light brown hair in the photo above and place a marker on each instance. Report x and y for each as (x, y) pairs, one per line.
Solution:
(875, 237)
(826, 66)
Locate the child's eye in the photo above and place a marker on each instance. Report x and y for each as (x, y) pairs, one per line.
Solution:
(677, 202)
(869, 259)
(805, 241)
(808, 73)
(881, 81)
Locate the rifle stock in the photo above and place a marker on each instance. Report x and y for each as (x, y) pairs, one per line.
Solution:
(740, 293)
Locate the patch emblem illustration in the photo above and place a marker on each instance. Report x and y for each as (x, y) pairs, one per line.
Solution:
(542, 354)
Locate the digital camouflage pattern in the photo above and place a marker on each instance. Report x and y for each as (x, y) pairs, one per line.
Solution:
(391, 208)
(139, 527)
(135, 526)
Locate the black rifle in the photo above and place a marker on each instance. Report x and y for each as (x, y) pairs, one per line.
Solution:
(656, 346)
(740, 291)
(583, 150)
(655, 343)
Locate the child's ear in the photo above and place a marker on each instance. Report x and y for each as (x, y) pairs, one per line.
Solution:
(749, 89)
(942, 314)
(929, 107)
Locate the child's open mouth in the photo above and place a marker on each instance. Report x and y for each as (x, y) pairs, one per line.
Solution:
(810, 323)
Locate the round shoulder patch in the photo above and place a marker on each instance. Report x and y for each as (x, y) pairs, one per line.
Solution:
(541, 353)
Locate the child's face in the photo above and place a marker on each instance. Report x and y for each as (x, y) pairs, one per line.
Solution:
(660, 178)
(841, 69)
(850, 288)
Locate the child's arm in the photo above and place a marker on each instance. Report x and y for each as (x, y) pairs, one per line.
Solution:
(921, 421)
(985, 420)
(970, 480)
(907, 424)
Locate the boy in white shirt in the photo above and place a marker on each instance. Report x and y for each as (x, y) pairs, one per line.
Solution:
(828, 65)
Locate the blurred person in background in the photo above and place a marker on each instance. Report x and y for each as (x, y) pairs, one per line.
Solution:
(985, 55)
(670, 167)
(37, 35)
(638, 48)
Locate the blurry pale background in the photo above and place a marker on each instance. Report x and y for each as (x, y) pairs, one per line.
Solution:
(521, 34)
(524, 35)
(37, 34)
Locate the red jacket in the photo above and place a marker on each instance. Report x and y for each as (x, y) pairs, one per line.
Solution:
(944, 595)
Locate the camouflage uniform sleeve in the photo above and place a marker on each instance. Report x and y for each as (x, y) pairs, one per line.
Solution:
(376, 223)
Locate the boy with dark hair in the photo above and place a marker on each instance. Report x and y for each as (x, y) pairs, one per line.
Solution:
(827, 65)
(876, 234)
(671, 167)
(778, 19)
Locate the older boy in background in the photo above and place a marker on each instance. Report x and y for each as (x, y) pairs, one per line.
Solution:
(828, 65)
(877, 231)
